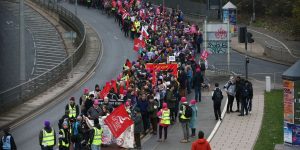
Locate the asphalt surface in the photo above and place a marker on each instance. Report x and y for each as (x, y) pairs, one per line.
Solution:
(9, 46)
(116, 49)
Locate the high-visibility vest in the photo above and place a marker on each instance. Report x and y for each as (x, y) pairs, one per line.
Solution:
(137, 25)
(165, 117)
(183, 113)
(97, 136)
(6, 142)
(62, 142)
(72, 111)
(48, 138)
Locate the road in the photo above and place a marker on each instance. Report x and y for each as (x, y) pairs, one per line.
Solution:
(9, 46)
(116, 49)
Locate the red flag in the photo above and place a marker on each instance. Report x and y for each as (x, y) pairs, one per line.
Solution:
(105, 90)
(118, 121)
(204, 55)
(145, 34)
(121, 90)
(114, 85)
(128, 63)
(138, 43)
(127, 84)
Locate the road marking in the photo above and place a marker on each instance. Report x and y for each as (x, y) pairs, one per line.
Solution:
(277, 41)
(115, 37)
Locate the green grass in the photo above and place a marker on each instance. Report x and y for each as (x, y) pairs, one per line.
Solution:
(271, 132)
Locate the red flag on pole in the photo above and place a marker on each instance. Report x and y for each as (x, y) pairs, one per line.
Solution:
(118, 121)
(138, 43)
(204, 55)
(145, 34)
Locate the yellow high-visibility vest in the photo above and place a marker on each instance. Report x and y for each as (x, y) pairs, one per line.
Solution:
(97, 136)
(183, 114)
(48, 138)
(165, 117)
(62, 142)
(72, 111)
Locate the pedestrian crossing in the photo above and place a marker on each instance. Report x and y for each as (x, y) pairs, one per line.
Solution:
(48, 45)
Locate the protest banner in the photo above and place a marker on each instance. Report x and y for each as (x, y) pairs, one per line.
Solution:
(118, 121)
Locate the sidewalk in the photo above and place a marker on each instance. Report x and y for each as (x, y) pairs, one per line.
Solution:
(240, 133)
(85, 67)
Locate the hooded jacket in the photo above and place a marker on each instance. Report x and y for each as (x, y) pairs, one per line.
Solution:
(200, 144)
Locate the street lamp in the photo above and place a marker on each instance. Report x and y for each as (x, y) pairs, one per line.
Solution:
(253, 9)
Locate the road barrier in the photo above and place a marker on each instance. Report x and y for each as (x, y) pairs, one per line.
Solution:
(27, 90)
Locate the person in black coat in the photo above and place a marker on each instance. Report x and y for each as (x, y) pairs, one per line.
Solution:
(72, 105)
(217, 99)
(238, 93)
(7, 140)
(138, 127)
(198, 81)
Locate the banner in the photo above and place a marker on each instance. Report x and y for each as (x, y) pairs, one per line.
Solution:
(118, 121)
(126, 139)
(288, 101)
(161, 67)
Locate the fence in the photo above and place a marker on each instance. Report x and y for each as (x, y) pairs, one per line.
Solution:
(281, 54)
(41, 83)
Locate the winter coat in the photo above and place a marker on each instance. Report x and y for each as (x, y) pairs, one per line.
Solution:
(48, 130)
(200, 144)
(181, 111)
(152, 109)
(193, 120)
(198, 79)
(138, 123)
(171, 99)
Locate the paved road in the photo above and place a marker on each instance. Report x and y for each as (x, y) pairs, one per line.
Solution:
(116, 50)
(9, 46)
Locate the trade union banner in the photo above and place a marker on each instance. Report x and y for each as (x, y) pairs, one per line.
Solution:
(118, 121)
(154, 68)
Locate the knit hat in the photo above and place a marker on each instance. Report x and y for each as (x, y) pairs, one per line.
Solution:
(85, 90)
(193, 102)
(127, 103)
(183, 99)
(165, 105)
(72, 98)
(47, 123)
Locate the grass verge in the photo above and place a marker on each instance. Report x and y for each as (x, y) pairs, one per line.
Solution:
(271, 132)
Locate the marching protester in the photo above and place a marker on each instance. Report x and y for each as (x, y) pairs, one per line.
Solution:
(95, 136)
(73, 109)
(82, 100)
(47, 137)
(7, 141)
(65, 117)
(198, 81)
(64, 137)
(77, 136)
(193, 121)
(164, 115)
(185, 112)
(95, 111)
(153, 109)
(230, 89)
(138, 127)
(217, 98)
(201, 143)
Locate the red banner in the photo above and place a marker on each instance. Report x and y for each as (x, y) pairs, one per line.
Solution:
(161, 67)
(118, 121)
(105, 90)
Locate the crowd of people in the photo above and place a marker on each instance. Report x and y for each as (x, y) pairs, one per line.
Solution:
(154, 99)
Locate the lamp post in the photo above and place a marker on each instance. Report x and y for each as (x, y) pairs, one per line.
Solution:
(22, 43)
(253, 9)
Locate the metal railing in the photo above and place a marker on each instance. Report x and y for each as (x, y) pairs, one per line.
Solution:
(282, 50)
(41, 83)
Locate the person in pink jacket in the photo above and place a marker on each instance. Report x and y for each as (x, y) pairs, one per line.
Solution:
(164, 122)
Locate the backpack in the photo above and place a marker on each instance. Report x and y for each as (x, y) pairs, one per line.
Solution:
(218, 96)
(188, 111)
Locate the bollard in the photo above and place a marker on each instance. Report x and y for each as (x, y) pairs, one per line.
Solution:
(268, 83)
